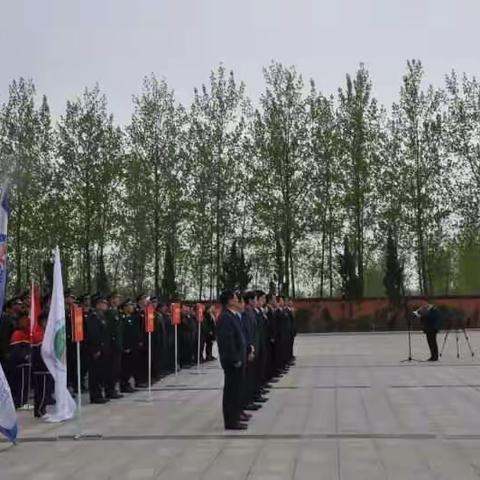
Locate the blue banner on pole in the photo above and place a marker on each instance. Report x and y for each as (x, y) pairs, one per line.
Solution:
(4, 212)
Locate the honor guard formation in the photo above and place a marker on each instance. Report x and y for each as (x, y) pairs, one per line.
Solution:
(255, 333)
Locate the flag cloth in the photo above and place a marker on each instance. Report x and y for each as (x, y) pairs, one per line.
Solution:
(54, 348)
(34, 307)
(8, 416)
(4, 212)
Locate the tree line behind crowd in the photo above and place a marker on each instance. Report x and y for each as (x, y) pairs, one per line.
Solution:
(310, 193)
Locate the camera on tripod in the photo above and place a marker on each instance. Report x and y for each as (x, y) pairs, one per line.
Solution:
(456, 322)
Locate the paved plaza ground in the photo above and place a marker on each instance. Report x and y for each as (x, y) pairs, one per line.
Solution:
(348, 410)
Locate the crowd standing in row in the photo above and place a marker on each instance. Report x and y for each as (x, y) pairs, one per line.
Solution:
(255, 342)
(255, 335)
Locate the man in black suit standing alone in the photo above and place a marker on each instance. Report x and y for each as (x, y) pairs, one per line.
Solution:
(233, 358)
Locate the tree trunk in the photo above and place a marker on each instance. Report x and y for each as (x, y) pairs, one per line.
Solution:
(322, 256)
(156, 232)
(292, 270)
(18, 249)
(330, 254)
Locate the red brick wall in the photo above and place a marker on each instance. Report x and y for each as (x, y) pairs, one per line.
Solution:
(334, 314)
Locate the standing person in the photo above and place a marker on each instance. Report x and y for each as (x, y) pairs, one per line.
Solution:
(209, 331)
(132, 339)
(283, 330)
(161, 330)
(156, 342)
(70, 301)
(86, 304)
(19, 359)
(142, 364)
(233, 356)
(293, 329)
(249, 323)
(99, 348)
(115, 332)
(430, 317)
(272, 338)
(42, 380)
(170, 336)
(8, 324)
(185, 336)
(262, 351)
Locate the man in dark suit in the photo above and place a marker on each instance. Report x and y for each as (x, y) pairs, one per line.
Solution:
(232, 348)
(208, 327)
(115, 331)
(99, 348)
(430, 317)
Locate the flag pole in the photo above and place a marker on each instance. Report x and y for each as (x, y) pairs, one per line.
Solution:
(79, 392)
(198, 347)
(149, 366)
(176, 350)
(32, 319)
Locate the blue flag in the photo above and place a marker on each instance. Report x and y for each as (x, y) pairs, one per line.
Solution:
(4, 212)
(8, 416)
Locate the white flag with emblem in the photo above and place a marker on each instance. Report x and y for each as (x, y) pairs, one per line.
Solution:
(54, 348)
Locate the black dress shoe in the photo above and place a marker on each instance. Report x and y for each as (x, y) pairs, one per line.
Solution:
(128, 389)
(114, 396)
(98, 401)
(261, 399)
(238, 426)
(432, 359)
(253, 407)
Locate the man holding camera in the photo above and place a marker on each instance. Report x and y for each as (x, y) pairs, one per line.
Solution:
(430, 318)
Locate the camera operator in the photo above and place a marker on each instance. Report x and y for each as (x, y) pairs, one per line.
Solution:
(430, 318)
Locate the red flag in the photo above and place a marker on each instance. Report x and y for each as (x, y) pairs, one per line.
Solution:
(176, 312)
(149, 318)
(77, 323)
(35, 308)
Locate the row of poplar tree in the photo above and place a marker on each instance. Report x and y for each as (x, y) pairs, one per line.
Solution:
(309, 193)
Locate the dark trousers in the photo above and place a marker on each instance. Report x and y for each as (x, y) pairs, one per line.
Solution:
(114, 368)
(129, 368)
(96, 376)
(71, 365)
(19, 384)
(141, 366)
(432, 344)
(43, 387)
(208, 348)
(232, 398)
(250, 382)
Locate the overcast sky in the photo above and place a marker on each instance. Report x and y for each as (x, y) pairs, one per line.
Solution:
(65, 45)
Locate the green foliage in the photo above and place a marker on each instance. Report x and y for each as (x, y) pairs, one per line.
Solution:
(169, 286)
(347, 268)
(393, 279)
(468, 277)
(373, 281)
(236, 271)
(289, 180)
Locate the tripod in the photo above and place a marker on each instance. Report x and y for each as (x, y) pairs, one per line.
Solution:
(459, 327)
(409, 329)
